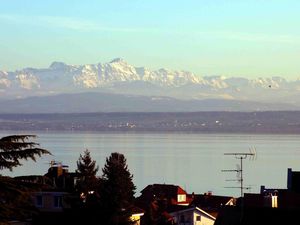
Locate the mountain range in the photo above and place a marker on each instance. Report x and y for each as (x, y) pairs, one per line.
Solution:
(119, 86)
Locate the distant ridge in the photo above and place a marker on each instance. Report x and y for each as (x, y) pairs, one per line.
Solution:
(106, 102)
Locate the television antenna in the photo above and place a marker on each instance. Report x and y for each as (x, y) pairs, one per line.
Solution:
(54, 163)
(239, 167)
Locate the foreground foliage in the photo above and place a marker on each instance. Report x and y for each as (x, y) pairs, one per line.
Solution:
(117, 191)
(15, 195)
(86, 170)
(17, 147)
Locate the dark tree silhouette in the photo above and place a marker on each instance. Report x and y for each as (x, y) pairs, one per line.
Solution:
(17, 147)
(156, 213)
(85, 200)
(117, 191)
(87, 170)
(14, 195)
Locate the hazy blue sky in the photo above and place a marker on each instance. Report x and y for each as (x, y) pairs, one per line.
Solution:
(248, 38)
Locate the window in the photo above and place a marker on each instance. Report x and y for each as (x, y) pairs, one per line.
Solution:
(58, 201)
(198, 218)
(274, 202)
(39, 201)
(181, 198)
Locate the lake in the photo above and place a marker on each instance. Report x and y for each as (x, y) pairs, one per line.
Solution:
(192, 160)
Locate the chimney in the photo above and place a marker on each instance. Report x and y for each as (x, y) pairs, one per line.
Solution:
(289, 179)
(262, 189)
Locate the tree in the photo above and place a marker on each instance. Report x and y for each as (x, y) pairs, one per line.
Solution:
(14, 197)
(117, 191)
(17, 147)
(156, 213)
(85, 200)
(87, 170)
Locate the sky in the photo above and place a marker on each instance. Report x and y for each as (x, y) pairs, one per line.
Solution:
(248, 38)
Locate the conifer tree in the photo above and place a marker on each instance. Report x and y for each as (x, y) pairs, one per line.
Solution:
(87, 201)
(87, 170)
(17, 147)
(117, 192)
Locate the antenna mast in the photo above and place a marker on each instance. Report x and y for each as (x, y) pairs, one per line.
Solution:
(239, 170)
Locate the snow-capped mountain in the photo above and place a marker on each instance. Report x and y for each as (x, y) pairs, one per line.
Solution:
(119, 77)
(60, 76)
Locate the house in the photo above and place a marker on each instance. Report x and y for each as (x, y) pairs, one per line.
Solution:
(243, 215)
(61, 177)
(211, 203)
(293, 181)
(51, 189)
(52, 194)
(273, 198)
(171, 204)
(57, 201)
(192, 215)
(50, 201)
(156, 199)
(278, 198)
(270, 206)
(266, 198)
(172, 194)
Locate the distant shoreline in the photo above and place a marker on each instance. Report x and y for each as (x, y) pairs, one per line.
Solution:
(269, 122)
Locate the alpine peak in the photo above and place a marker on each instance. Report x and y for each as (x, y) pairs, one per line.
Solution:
(57, 65)
(118, 60)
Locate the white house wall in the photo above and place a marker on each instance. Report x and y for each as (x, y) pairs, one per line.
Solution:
(191, 218)
(204, 219)
(188, 217)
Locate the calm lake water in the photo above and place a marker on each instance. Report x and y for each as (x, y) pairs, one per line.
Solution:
(193, 161)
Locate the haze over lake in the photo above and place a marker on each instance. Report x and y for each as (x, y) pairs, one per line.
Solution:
(193, 161)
